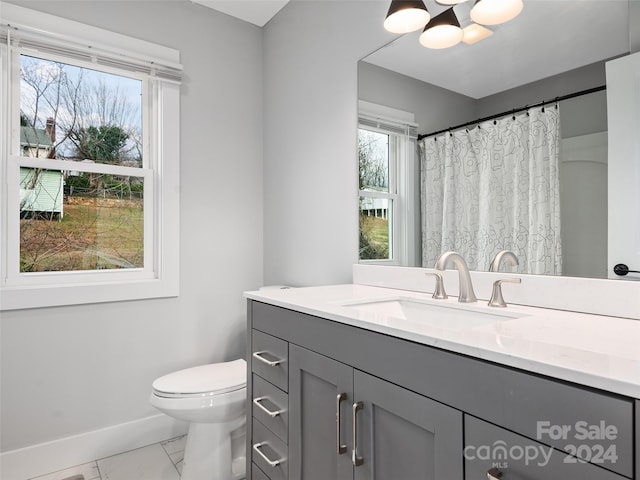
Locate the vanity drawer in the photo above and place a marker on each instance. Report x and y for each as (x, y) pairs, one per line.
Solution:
(269, 452)
(257, 474)
(270, 406)
(514, 457)
(270, 359)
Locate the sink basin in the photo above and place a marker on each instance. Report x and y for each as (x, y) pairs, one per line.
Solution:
(448, 316)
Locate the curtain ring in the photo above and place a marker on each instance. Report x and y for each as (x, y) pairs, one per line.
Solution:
(495, 122)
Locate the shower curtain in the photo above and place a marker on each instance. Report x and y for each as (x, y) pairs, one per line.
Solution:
(494, 187)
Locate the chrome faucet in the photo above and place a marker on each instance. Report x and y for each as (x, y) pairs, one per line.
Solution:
(465, 294)
(509, 258)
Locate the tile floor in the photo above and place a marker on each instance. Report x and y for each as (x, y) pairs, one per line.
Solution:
(160, 461)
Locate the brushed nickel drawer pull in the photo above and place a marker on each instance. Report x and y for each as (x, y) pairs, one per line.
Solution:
(340, 448)
(271, 363)
(355, 459)
(272, 414)
(494, 474)
(273, 463)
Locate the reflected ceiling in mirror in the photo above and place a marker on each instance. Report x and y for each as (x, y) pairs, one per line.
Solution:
(547, 38)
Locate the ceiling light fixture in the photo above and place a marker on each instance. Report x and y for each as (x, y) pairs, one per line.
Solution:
(442, 31)
(494, 12)
(406, 16)
(474, 33)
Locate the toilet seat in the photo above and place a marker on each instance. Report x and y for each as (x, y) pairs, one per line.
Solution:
(204, 380)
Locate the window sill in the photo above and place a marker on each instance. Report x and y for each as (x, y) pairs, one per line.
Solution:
(25, 297)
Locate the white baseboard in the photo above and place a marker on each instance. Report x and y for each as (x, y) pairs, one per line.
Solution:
(43, 458)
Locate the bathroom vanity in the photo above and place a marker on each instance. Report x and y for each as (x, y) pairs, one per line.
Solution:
(340, 386)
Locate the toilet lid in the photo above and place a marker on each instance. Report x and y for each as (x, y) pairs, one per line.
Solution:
(215, 378)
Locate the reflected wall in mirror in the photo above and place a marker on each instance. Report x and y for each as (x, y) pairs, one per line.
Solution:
(552, 49)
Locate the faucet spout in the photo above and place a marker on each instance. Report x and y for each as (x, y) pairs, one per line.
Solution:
(509, 258)
(466, 293)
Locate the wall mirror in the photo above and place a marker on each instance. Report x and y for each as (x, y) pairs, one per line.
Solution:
(552, 49)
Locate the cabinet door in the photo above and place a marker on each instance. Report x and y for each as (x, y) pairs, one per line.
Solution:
(403, 435)
(315, 383)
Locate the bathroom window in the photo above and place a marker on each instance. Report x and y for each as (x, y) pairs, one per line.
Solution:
(377, 185)
(90, 164)
(385, 164)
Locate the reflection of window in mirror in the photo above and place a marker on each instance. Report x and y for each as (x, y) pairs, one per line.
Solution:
(386, 162)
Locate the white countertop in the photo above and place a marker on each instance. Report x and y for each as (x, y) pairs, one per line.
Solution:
(593, 350)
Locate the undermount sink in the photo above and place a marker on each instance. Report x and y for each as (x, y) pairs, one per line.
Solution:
(447, 316)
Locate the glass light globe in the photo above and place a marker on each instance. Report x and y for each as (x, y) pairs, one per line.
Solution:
(494, 12)
(441, 36)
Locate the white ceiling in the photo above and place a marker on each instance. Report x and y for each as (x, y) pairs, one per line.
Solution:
(258, 12)
(547, 38)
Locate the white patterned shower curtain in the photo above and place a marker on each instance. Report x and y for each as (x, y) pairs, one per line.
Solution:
(492, 188)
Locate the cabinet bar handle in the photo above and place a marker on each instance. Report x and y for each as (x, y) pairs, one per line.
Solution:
(355, 459)
(271, 363)
(273, 463)
(340, 448)
(272, 414)
(494, 474)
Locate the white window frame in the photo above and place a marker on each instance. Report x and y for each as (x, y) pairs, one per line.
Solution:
(401, 178)
(158, 68)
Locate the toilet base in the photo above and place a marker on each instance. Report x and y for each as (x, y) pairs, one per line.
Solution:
(211, 454)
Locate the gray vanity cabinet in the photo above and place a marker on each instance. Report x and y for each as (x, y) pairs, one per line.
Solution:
(357, 405)
(397, 434)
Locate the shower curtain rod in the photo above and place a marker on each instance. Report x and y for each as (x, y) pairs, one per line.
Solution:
(516, 110)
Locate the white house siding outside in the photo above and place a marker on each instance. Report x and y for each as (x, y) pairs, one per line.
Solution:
(374, 207)
(41, 191)
(46, 194)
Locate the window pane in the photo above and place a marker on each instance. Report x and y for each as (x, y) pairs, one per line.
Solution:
(79, 114)
(79, 221)
(373, 157)
(375, 228)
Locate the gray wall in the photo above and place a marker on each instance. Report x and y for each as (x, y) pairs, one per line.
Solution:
(565, 83)
(311, 50)
(435, 108)
(74, 369)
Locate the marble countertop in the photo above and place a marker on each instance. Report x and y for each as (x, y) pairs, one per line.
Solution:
(592, 350)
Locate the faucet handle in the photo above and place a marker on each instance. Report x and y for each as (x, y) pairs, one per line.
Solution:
(438, 292)
(497, 300)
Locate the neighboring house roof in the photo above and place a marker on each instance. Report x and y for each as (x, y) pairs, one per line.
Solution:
(34, 137)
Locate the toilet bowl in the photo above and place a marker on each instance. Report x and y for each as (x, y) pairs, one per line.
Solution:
(212, 399)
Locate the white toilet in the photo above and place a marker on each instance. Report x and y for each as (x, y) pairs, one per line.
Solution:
(212, 398)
